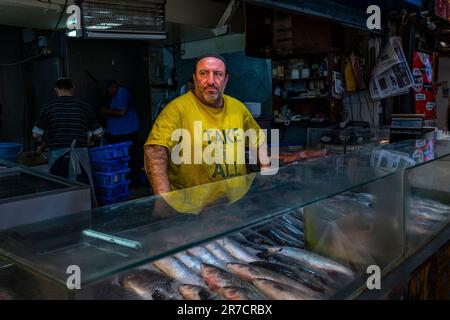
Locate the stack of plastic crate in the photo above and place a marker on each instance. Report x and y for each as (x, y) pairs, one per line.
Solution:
(109, 166)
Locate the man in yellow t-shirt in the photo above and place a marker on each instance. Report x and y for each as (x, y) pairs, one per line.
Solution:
(211, 124)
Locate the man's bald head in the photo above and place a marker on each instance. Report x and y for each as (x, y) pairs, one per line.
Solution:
(210, 55)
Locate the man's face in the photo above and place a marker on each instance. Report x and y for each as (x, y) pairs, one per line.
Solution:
(210, 80)
(112, 90)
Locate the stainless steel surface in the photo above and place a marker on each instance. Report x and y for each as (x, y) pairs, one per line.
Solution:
(28, 196)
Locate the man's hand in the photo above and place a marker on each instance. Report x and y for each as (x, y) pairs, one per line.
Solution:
(41, 147)
(156, 162)
(162, 209)
(39, 142)
(263, 157)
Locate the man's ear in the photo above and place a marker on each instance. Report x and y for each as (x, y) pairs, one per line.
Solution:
(225, 81)
(194, 80)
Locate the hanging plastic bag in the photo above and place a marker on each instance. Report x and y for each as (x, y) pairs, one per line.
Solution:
(350, 81)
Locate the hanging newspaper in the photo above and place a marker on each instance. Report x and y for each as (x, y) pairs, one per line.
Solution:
(391, 75)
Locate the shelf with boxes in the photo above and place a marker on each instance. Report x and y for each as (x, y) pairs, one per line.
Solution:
(109, 172)
(302, 87)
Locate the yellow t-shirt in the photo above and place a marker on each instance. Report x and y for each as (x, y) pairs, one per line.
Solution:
(194, 200)
(214, 133)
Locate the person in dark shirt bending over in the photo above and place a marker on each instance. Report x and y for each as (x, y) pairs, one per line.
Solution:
(70, 125)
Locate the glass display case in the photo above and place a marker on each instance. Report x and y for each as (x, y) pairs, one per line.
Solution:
(28, 196)
(308, 232)
(342, 140)
(427, 202)
(360, 228)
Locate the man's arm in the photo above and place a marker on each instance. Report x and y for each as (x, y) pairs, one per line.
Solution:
(39, 142)
(263, 157)
(96, 131)
(156, 162)
(38, 131)
(264, 161)
(119, 104)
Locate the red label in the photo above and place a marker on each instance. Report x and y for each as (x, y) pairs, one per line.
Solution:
(424, 93)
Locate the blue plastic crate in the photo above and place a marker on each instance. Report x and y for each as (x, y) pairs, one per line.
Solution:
(109, 179)
(108, 166)
(104, 201)
(112, 191)
(110, 151)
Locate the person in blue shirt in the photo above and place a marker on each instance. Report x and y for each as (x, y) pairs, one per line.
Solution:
(122, 122)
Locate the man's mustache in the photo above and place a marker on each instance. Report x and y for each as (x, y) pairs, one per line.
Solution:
(211, 87)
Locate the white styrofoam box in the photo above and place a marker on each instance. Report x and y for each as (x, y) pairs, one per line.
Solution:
(254, 108)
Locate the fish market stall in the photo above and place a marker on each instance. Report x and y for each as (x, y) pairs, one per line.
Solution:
(308, 232)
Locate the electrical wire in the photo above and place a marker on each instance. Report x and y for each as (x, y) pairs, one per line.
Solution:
(59, 20)
(21, 61)
(43, 51)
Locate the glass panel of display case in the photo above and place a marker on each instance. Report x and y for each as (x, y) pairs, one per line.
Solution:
(28, 196)
(112, 239)
(16, 182)
(339, 141)
(392, 157)
(261, 213)
(359, 228)
(427, 202)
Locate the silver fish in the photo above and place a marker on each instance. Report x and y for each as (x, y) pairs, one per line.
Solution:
(190, 292)
(251, 272)
(190, 261)
(217, 279)
(237, 293)
(318, 275)
(239, 252)
(288, 228)
(321, 284)
(278, 291)
(206, 256)
(298, 213)
(239, 238)
(430, 203)
(294, 222)
(313, 260)
(418, 229)
(177, 270)
(220, 252)
(429, 206)
(428, 215)
(282, 238)
(258, 238)
(151, 285)
(364, 199)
